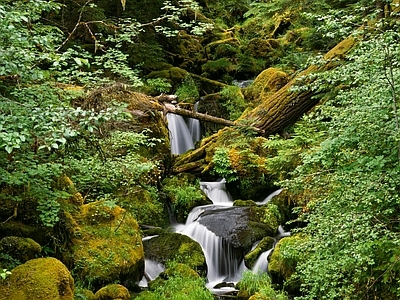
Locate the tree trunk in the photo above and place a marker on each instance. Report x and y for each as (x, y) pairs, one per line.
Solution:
(274, 113)
(285, 107)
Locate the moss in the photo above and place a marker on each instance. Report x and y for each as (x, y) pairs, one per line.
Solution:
(217, 68)
(176, 269)
(145, 206)
(251, 257)
(41, 278)
(16, 228)
(174, 75)
(111, 292)
(108, 246)
(20, 248)
(284, 259)
(174, 246)
(266, 83)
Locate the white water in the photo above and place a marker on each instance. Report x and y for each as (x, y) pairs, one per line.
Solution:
(269, 197)
(261, 264)
(179, 135)
(194, 126)
(151, 271)
(216, 192)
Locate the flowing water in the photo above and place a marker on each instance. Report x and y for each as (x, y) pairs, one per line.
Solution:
(224, 263)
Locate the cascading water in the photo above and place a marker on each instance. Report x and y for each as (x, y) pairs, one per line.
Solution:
(179, 135)
(183, 135)
(224, 264)
(194, 126)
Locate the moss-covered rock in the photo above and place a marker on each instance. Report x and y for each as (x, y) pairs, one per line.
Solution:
(251, 257)
(266, 83)
(105, 245)
(112, 292)
(41, 278)
(170, 246)
(174, 75)
(177, 269)
(22, 249)
(283, 262)
(264, 220)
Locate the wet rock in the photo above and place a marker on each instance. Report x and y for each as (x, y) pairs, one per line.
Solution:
(169, 246)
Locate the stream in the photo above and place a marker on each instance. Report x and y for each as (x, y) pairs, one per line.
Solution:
(225, 264)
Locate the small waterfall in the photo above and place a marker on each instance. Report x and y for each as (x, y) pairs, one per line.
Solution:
(269, 197)
(261, 264)
(179, 135)
(223, 263)
(151, 271)
(194, 126)
(216, 192)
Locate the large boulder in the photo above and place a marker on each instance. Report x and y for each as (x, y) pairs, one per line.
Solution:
(105, 245)
(241, 225)
(168, 246)
(41, 278)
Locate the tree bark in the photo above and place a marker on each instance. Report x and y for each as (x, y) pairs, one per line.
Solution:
(195, 115)
(275, 112)
(285, 107)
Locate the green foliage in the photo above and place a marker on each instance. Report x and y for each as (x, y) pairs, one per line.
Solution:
(258, 284)
(120, 166)
(8, 262)
(159, 85)
(180, 285)
(188, 91)
(4, 274)
(347, 183)
(222, 165)
(233, 101)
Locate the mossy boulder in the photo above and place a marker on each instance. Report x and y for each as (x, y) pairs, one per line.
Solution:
(144, 206)
(177, 269)
(264, 245)
(264, 220)
(283, 261)
(174, 75)
(112, 292)
(41, 278)
(217, 68)
(20, 248)
(106, 245)
(170, 246)
(261, 48)
(266, 83)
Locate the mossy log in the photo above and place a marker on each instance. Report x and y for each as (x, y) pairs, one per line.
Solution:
(285, 107)
(274, 113)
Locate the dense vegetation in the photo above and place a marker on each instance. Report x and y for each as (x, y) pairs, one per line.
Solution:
(64, 69)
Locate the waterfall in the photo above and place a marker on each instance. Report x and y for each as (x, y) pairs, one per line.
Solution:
(224, 264)
(179, 135)
(261, 264)
(151, 271)
(216, 192)
(269, 197)
(194, 126)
